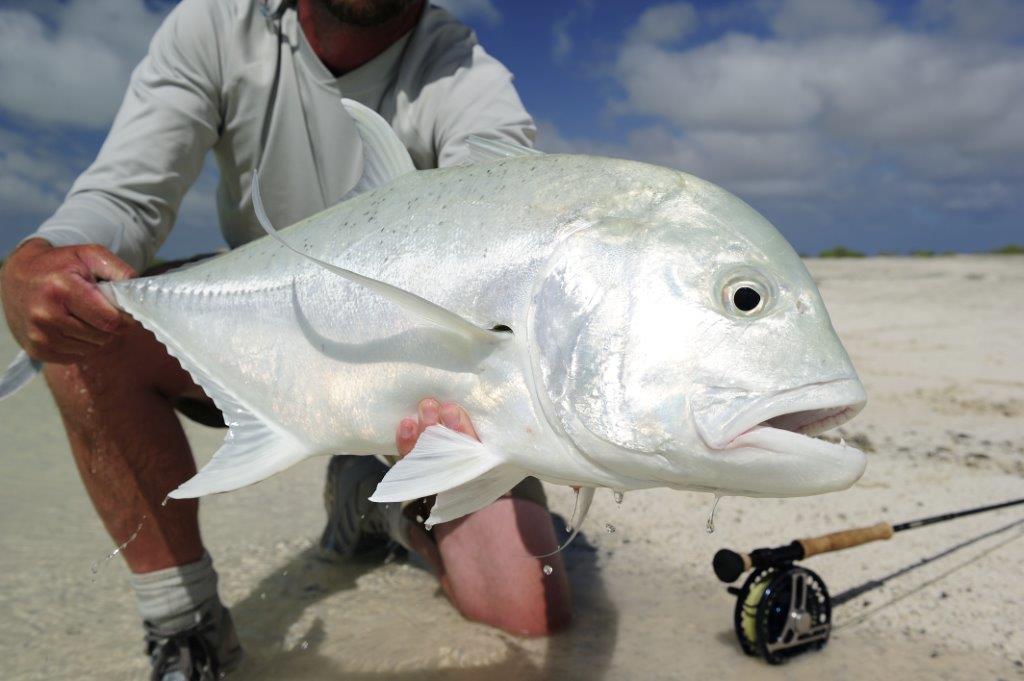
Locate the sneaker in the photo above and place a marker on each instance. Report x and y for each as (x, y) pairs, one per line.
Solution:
(204, 652)
(356, 525)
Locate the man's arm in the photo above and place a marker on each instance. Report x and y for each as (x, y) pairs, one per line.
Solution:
(465, 91)
(120, 210)
(128, 198)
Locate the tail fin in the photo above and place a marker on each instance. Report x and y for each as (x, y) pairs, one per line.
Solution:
(22, 370)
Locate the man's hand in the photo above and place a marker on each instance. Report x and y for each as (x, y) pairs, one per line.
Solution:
(53, 306)
(430, 413)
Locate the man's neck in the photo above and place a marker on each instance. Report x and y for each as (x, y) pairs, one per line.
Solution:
(343, 47)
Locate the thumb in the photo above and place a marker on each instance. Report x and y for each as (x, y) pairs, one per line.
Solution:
(104, 265)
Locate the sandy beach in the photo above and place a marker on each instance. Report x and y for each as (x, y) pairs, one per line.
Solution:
(937, 342)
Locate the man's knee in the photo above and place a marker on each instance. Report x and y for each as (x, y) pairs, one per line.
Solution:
(497, 579)
(133, 360)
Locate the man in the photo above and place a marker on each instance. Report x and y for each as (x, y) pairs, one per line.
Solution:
(260, 85)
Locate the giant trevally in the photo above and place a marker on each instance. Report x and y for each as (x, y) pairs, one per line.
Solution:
(606, 323)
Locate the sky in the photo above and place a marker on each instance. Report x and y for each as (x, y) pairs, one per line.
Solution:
(884, 127)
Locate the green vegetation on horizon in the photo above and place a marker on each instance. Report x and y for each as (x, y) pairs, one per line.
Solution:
(840, 252)
(844, 252)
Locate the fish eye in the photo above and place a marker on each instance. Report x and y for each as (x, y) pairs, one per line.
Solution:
(745, 297)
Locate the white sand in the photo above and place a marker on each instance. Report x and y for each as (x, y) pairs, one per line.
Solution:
(938, 344)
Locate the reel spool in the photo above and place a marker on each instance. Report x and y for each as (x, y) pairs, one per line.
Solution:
(782, 611)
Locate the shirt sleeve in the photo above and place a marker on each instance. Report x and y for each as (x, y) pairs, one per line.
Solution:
(469, 92)
(128, 199)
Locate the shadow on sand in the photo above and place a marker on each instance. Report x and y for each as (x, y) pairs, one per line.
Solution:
(266, 615)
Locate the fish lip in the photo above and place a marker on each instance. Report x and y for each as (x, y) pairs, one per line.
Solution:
(806, 410)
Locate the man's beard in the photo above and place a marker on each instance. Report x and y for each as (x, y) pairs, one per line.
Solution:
(365, 12)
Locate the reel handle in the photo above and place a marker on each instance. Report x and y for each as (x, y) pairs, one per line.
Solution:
(837, 541)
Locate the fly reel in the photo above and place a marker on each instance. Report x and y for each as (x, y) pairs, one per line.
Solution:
(784, 609)
(781, 612)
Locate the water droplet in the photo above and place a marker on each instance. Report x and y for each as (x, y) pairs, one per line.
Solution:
(304, 645)
(95, 568)
(609, 528)
(419, 518)
(618, 497)
(548, 569)
(710, 526)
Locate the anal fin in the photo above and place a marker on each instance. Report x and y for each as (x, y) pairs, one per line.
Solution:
(445, 460)
(474, 495)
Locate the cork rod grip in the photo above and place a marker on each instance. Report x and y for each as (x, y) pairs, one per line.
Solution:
(845, 539)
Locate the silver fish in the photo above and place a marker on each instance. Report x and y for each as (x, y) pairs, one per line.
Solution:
(606, 323)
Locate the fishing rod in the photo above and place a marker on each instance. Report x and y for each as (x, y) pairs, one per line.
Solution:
(784, 609)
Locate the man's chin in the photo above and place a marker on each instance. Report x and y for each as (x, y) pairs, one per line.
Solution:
(366, 13)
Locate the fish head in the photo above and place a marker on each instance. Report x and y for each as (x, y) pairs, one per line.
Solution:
(689, 347)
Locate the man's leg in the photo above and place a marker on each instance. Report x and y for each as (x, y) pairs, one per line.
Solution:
(130, 448)
(485, 560)
(131, 451)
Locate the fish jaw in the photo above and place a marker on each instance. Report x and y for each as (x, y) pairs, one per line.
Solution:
(762, 444)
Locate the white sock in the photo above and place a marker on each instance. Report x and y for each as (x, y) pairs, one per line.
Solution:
(174, 598)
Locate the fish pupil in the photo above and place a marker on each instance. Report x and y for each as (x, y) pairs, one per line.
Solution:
(746, 299)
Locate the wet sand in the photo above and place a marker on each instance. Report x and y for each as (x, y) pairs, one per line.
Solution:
(938, 344)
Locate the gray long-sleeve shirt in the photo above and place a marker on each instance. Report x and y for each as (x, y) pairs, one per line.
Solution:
(208, 82)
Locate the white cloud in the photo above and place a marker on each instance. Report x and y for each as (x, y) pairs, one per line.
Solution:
(33, 177)
(664, 24)
(562, 45)
(805, 111)
(562, 40)
(978, 18)
(467, 10)
(801, 18)
(68, 64)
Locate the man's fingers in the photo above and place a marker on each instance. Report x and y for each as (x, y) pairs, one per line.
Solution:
(455, 417)
(69, 345)
(104, 265)
(73, 327)
(87, 303)
(405, 438)
(50, 344)
(429, 413)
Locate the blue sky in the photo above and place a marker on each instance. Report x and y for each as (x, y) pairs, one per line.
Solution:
(880, 126)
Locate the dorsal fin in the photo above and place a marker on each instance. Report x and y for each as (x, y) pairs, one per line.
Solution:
(421, 307)
(482, 150)
(384, 155)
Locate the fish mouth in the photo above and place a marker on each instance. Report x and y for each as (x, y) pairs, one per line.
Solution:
(767, 443)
